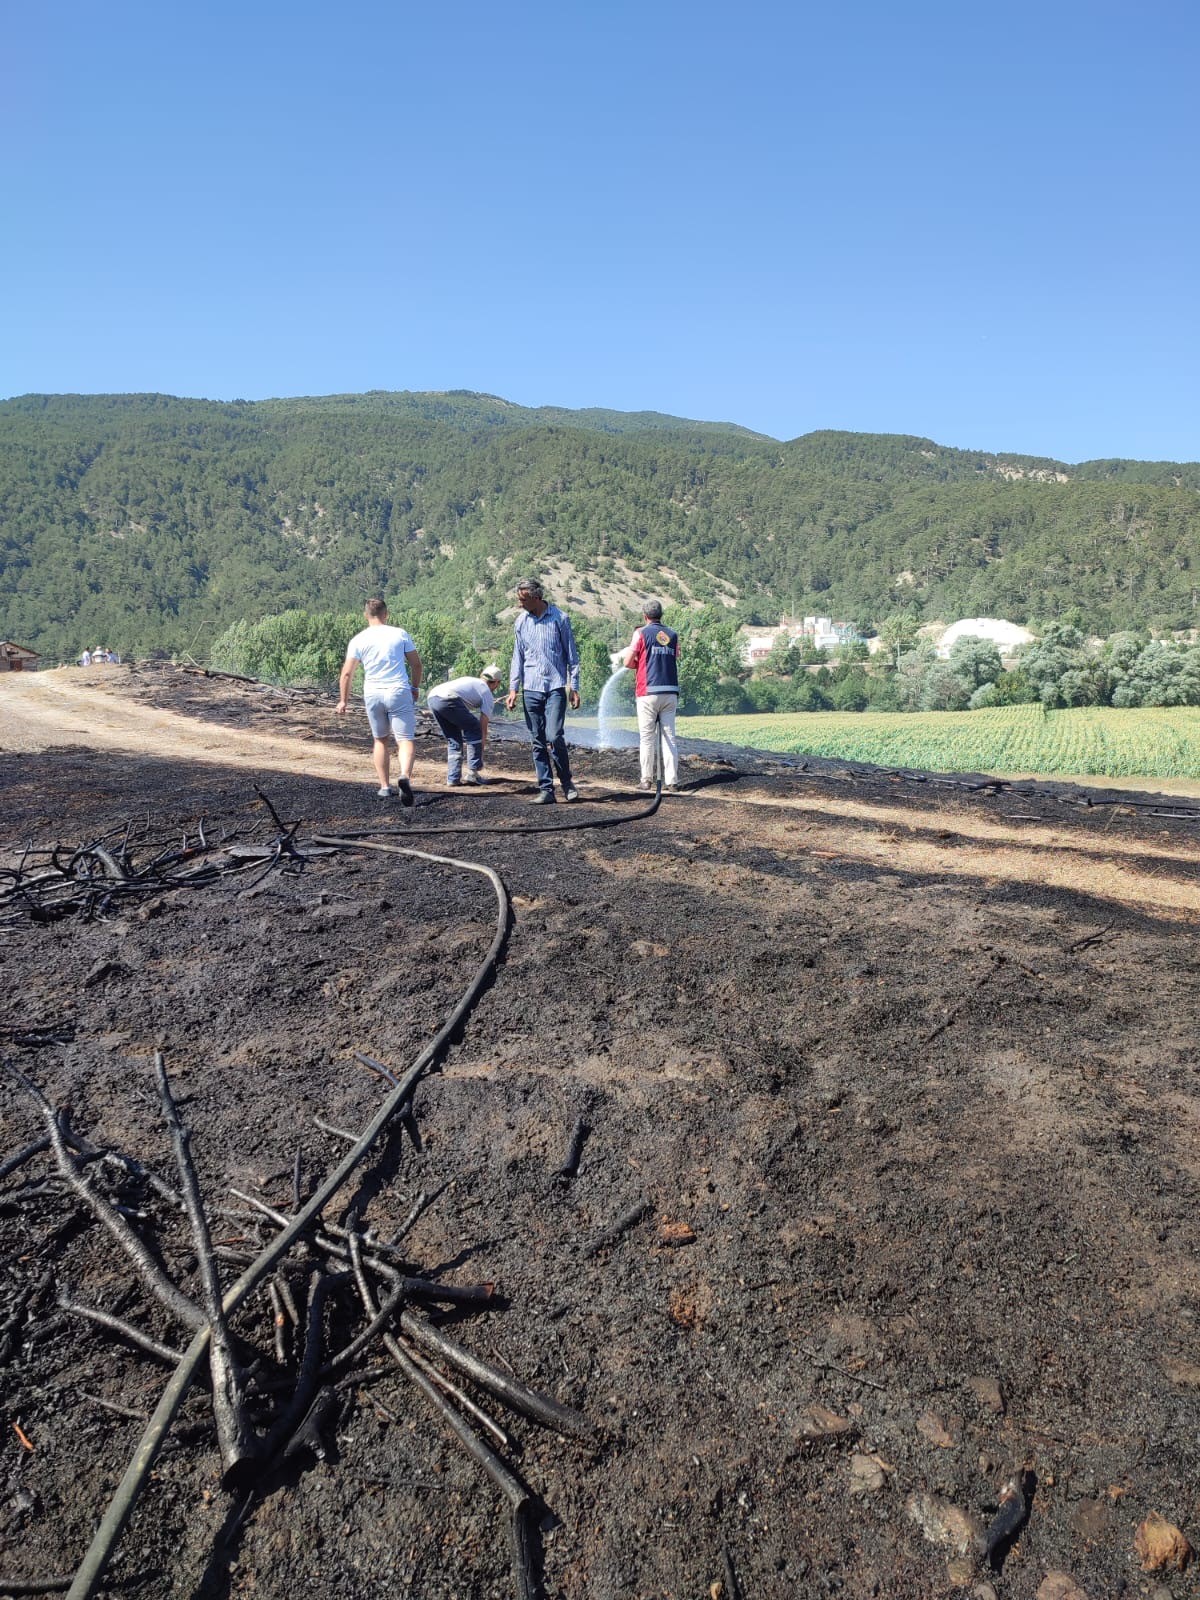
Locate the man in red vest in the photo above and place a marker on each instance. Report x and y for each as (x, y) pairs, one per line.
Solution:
(653, 654)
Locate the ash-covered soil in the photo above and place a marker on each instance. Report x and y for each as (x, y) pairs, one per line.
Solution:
(908, 1079)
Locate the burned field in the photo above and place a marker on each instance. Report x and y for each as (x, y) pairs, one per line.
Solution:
(885, 1191)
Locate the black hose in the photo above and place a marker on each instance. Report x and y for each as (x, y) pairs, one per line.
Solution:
(523, 827)
(503, 827)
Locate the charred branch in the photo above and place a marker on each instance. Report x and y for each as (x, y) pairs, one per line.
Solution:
(234, 1434)
(610, 1235)
(516, 1395)
(148, 1269)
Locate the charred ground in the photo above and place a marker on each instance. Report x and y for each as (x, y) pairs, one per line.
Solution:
(914, 1108)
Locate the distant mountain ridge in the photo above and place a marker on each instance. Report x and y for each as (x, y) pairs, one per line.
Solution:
(153, 521)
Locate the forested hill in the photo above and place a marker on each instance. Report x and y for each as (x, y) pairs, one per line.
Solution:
(146, 521)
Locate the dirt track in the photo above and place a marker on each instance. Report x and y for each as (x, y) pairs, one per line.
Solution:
(917, 1070)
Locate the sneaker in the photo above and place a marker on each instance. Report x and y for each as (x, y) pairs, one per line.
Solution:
(406, 794)
(645, 787)
(452, 783)
(671, 788)
(544, 797)
(570, 793)
(474, 777)
(383, 794)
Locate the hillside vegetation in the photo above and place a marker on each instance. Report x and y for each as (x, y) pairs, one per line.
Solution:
(146, 521)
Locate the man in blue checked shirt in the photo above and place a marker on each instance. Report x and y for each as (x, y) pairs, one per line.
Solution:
(545, 666)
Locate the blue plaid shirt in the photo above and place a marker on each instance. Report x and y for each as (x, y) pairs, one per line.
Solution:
(544, 656)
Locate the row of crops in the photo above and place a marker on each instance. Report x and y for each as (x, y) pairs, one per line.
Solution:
(1158, 743)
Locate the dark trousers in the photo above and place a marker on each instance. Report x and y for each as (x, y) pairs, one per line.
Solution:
(460, 726)
(544, 717)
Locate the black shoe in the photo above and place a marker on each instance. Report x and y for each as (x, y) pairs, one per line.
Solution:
(544, 797)
(570, 793)
(406, 794)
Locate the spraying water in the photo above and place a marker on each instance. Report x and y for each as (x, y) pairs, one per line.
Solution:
(606, 714)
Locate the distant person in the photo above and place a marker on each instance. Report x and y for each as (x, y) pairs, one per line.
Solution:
(391, 667)
(545, 667)
(461, 708)
(653, 654)
(85, 659)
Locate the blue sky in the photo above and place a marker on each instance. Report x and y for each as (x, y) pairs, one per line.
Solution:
(977, 223)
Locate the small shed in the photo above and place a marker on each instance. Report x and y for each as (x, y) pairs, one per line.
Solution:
(17, 657)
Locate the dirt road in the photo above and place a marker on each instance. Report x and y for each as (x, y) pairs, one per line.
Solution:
(96, 708)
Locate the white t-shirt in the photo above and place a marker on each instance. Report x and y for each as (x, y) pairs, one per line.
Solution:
(381, 649)
(473, 692)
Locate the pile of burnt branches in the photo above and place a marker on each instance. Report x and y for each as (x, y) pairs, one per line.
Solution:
(269, 1405)
(279, 1369)
(128, 864)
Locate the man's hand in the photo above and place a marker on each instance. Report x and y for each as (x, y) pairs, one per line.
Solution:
(510, 699)
(573, 699)
(340, 708)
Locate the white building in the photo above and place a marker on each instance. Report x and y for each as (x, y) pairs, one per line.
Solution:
(824, 632)
(757, 643)
(821, 631)
(827, 634)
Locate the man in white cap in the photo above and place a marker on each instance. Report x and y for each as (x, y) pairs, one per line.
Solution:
(461, 708)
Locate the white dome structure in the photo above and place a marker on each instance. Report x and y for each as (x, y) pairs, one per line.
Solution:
(1006, 636)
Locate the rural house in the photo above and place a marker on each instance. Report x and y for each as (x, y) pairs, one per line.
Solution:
(16, 657)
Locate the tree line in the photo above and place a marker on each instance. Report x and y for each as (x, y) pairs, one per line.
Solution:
(1062, 668)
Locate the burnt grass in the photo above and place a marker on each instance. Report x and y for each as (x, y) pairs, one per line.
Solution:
(897, 1132)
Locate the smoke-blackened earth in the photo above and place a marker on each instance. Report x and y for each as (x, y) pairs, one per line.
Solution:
(906, 1075)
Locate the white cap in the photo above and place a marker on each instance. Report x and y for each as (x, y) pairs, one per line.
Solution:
(490, 672)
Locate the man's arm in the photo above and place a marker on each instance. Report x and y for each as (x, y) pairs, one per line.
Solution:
(632, 653)
(483, 723)
(348, 667)
(415, 669)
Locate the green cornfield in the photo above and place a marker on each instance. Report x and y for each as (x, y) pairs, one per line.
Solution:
(1092, 740)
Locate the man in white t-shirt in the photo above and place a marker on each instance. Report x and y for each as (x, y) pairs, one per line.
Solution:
(391, 678)
(461, 709)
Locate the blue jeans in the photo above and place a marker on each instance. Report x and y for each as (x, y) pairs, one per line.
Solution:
(461, 726)
(544, 717)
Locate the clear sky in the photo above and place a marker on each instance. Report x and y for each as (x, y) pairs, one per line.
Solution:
(973, 222)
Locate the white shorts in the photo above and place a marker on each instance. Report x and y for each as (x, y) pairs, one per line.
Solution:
(392, 713)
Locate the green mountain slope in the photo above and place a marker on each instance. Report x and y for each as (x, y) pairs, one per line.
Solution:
(147, 521)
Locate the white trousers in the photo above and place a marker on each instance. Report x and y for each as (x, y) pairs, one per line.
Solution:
(658, 711)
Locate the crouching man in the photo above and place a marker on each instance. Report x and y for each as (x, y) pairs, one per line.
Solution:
(391, 667)
(461, 708)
